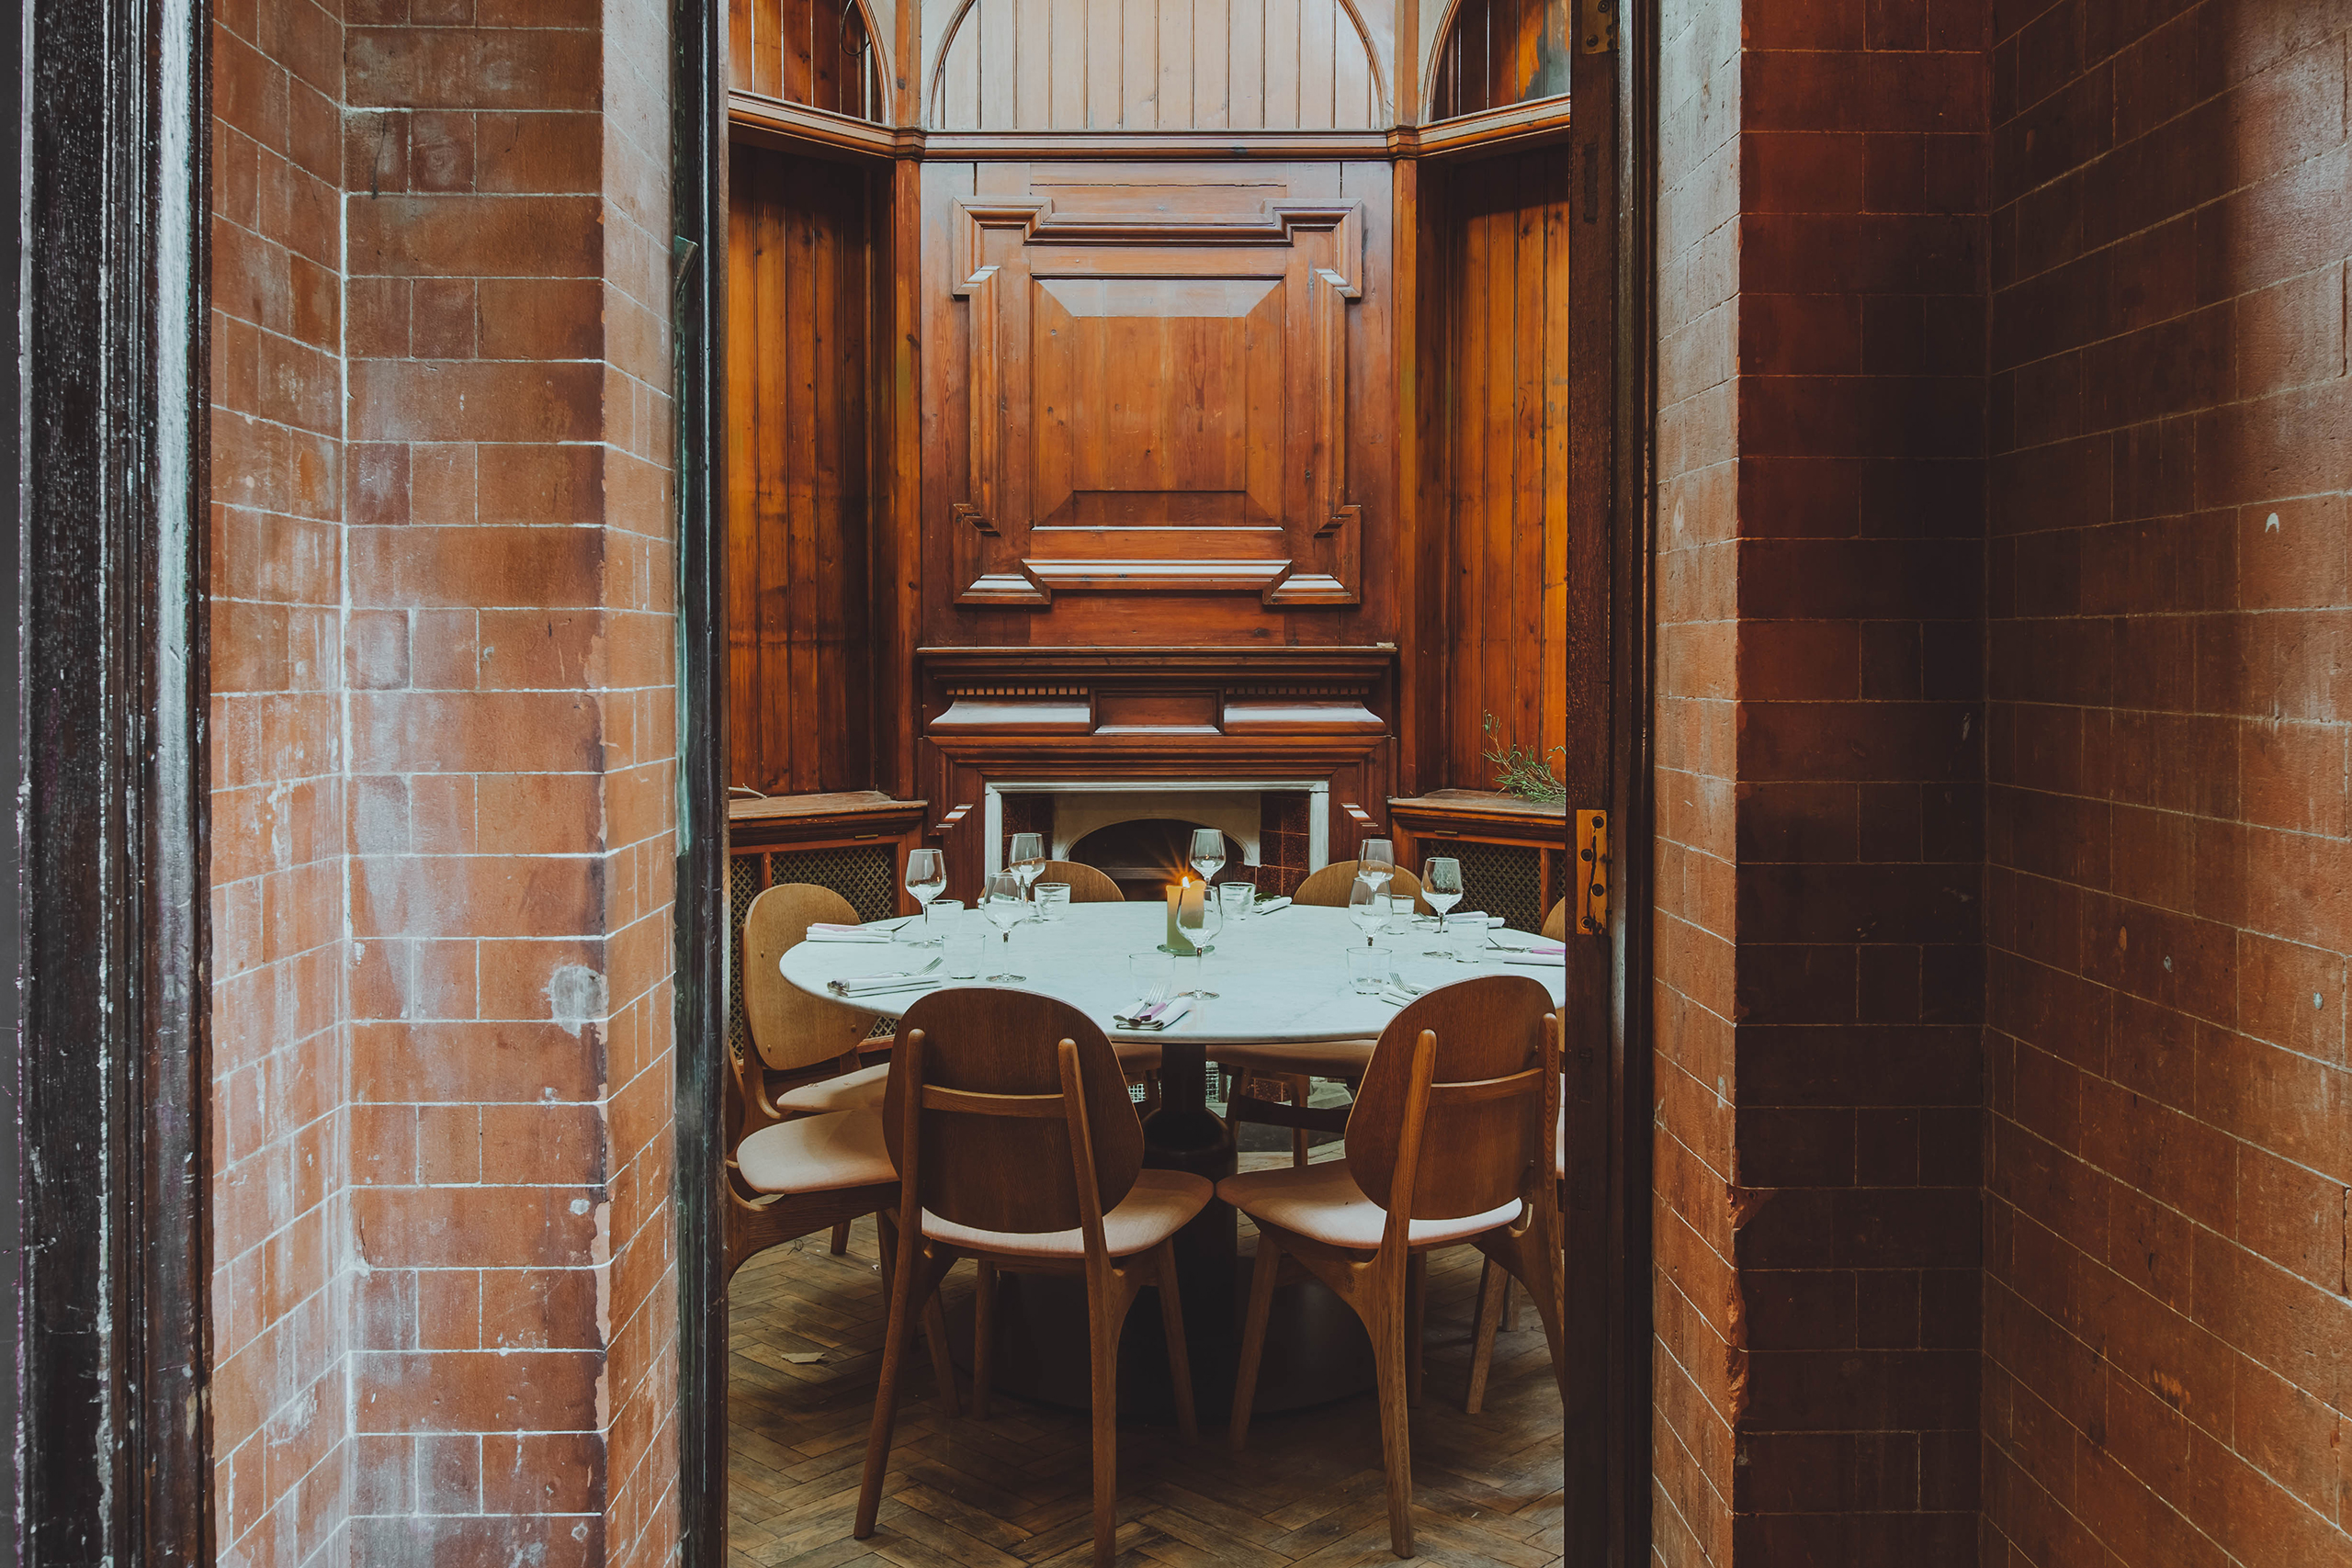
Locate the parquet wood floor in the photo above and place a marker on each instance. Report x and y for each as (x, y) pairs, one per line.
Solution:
(1014, 1491)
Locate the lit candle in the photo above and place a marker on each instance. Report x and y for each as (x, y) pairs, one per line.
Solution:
(1188, 897)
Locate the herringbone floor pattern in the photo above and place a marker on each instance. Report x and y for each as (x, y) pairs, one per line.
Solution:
(1014, 1491)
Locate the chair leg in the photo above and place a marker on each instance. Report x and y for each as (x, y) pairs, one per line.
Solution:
(1494, 1285)
(840, 1238)
(1179, 1361)
(1511, 1307)
(1416, 1301)
(1253, 1337)
(1102, 1343)
(983, 1339)
(943, 1365)
(901, 1327)
(1387, 1322)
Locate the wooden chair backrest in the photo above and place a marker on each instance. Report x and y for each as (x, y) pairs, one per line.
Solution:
(1087, 884)
(1008, 1165)
(1329, 886)
(1555, 924)
(790, 1028)
(1486, 1137)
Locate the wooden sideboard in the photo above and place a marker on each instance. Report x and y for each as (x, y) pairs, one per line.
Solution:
(1514, 852)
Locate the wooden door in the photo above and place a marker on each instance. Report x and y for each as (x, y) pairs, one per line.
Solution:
(1156, 400)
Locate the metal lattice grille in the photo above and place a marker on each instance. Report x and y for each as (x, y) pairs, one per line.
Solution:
(860, 874)
(1502, 879)
(743, 886)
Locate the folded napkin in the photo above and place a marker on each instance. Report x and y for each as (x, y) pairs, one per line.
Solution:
(1461, 918)
(1546, 954)
(1157, 1017)
(871, 984)
(854, 935)
(1268, 906)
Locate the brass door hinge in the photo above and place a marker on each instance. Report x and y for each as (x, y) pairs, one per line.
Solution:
(1597, 20)
(1592, 871)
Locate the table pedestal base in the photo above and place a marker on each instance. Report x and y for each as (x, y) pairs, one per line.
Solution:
(1317, 1350)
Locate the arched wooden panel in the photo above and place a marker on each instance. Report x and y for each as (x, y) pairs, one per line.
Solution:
(818, 52)
(1500, 52)
(1157, 65)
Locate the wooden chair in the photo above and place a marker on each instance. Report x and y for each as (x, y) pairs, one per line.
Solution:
(806, 1174)
(1087, 884)
(1451, 1142)
(1555, 924)
(1329, 887)
(1497, 1308)
(1015, 1144)
(807, 1049)
(1293, 1068)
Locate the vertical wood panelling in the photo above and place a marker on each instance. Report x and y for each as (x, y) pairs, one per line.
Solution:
(1157, 65)
(801, 357)
(818, 52)
(1502, 417)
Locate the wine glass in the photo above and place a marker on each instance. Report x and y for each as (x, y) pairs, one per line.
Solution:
(1028, 858)
(1199, 920)
(1005, 909)
(1441, 890)
(1376, 862)
(926, 878)
(1208, 852)
(1368, 907)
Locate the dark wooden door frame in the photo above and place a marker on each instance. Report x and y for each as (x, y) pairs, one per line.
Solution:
(111, 1082)
(1617, 193)
(698, 197)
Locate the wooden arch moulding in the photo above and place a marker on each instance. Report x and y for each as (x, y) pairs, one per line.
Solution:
(1158, 405)
(819, 54)
(1493, 55)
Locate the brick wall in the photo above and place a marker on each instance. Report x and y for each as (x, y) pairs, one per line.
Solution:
(1819, 976)
(445, 1306)
(2168, 1345)
(1860, 978)
(280, 1400)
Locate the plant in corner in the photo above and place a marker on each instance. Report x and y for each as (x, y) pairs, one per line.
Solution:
(1527, 773)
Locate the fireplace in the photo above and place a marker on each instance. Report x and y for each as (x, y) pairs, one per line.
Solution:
(1286, 751)
(1276, 830)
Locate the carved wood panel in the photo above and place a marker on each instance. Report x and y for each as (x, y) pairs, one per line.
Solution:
(1157, 402)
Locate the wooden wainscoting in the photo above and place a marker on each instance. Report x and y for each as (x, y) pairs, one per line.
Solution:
(1502, 435)
(807, 259)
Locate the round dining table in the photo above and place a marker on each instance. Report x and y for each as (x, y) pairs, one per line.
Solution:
(1273, 977)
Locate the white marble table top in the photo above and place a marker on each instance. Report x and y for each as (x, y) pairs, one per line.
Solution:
(1278, 976)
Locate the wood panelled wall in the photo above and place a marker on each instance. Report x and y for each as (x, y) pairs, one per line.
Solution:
(1498, 53)
(1496, 299)
(1157, 65)
(807, 271)
(1157, 404)
(818, 53)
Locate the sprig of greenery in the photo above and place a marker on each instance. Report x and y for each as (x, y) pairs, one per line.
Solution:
(1527, 773)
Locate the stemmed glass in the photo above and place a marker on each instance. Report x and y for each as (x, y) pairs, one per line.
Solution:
(1005, 909)
(926, 880)
(1376, 862)
(1200, 921)
(1368, 907)
(926, 876)
(1441, 890)
(1027, 860)
(1208, 852)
